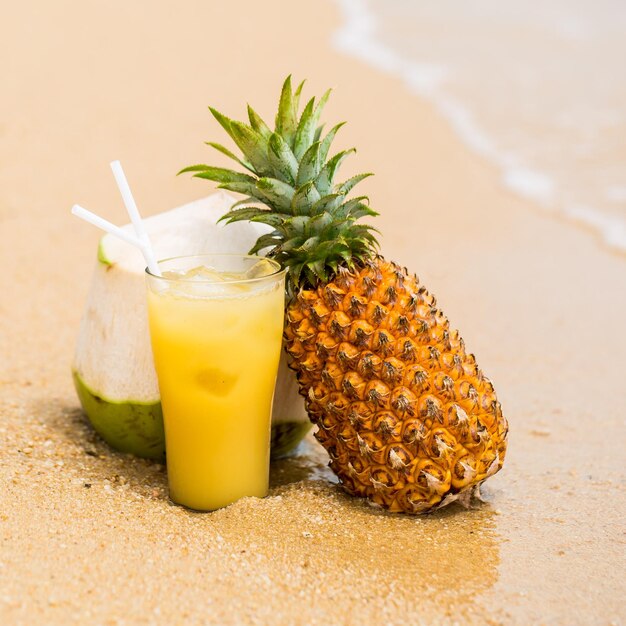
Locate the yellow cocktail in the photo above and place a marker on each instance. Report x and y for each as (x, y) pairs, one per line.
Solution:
(216, 325)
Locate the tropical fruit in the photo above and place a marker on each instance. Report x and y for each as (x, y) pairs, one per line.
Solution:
(113, 369)
(406, 415)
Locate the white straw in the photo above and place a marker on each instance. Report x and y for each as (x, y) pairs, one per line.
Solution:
(107, 226)
(100, 222)
(135, 218)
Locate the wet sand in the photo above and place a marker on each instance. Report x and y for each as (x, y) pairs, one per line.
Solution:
(89, 536)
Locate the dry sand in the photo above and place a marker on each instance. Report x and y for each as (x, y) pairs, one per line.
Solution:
(89, 537)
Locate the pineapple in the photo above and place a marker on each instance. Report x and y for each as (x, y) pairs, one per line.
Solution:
(406, 416)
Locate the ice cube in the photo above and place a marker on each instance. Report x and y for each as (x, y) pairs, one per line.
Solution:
(173, 274)
(261, 268)
(204, 273)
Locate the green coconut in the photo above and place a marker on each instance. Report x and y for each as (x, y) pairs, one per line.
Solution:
(113, 370)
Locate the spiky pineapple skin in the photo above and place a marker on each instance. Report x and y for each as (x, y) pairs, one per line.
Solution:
(407, 417)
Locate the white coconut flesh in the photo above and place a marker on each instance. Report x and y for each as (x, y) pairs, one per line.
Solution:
(113, 367)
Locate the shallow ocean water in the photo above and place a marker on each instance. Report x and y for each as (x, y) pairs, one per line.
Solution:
(538, 89)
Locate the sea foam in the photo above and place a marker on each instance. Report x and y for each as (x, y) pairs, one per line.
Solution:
(359, 37)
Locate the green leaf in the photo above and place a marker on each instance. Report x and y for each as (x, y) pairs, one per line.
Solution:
(253, 145)
(244, 201)
(269, 240)
(364, 232)
(362, 210)
(327, 249)
(310, 165)
(248, 189)
(292, 244)
(193, 168)
(222, 119)
(325, 147)
(286, 118)
(327, 203)
(321, 104)
(296, 96)
(346, 255)
(296, 225)
(306, 128)
(276, 220)
(276, 191)
(282, 160)
(319, 222)
(324, 182)
(295, 272)
(363, 228)
(305, 196)
(246, 213)
(258, 124)
(220, 148)
(308, 244)
(306, 131)
(349, 184)
(348, 208)
(318, 132)
(218, 174)
(318, 269)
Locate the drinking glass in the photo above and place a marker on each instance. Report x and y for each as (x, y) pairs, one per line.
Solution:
(216, 325)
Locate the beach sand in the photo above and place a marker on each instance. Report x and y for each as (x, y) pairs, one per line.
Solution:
(88, 536)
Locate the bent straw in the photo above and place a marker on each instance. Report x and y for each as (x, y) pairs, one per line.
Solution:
(135, 218)
(107, 226)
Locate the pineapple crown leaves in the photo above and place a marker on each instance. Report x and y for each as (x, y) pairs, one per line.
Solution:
(290, 185)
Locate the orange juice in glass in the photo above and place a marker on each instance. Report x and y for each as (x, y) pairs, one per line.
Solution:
(216, 325)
